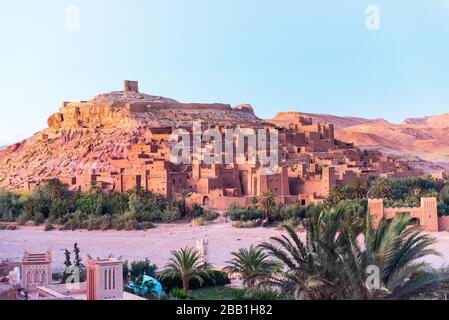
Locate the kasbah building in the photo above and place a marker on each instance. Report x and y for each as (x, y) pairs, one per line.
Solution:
(311, 163)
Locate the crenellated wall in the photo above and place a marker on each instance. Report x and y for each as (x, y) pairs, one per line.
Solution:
(426, 215)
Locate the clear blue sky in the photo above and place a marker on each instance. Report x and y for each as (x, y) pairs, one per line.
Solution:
(312, 56)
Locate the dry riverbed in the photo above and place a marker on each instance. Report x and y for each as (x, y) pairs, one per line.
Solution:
(154, 244)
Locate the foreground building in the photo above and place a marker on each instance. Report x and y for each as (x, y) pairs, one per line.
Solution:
(426, 215)
(32, 279)
(104, 282)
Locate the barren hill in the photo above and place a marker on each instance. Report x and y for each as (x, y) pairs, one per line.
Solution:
(343, 122)
(439, 121)
(422, 141)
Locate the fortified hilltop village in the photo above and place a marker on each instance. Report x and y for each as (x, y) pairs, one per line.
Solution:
(311, 160)
(122, 140)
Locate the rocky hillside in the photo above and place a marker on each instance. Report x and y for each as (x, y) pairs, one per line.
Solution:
(83, 135)
(422, 142)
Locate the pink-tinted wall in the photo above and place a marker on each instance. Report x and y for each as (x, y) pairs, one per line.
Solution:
(443, 223)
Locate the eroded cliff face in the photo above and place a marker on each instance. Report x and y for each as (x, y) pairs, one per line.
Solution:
(83, 136)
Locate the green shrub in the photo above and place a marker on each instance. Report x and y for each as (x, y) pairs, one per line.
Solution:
(143, 225)
(139, 268)
(214, 278)
(197, 210)
(75, 221)
(179, 294)
(210, 215)
(10, 227)
(22, 219)
(48, 225)
(38, 218)
(152, 216)
(236, 213)
(171, 214)
(198, 222)
(118, 223)
(246, 224)
(126, 221)
(262, 295)
(97, 223)
(293, 222)
(105, 222)
(217, 278)
(129, 225)
(293, 211)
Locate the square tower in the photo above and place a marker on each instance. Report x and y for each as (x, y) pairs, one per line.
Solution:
(429, 214)
(130, 86)
(104, 278)
(36, 270)
(376, 210)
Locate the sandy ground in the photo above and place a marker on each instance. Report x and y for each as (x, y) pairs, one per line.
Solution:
(154, 244)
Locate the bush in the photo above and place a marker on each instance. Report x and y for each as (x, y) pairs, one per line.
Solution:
(48, 225)
(246, 224)
(38, 218)
(144, 225)
(217, 278)
(152, 216)
(75, 221)
(262, 295)
(214, 278)
(118, 223)
(10, 227)
(293, 222)
(197, 210)
(22, 219)
(141, 267)
(293, 211)
(236, 213)
(105, 222)
(179, 294)
(171, 215)
(198, 222)
(210, 215)
(11, 205)
(97, 223)
(69, 225)
(126, 221)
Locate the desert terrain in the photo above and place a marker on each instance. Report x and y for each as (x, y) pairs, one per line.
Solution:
(422, 142)
(154, 244)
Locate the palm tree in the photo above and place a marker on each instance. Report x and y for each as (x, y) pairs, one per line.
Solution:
(381, 188)
(267, 202)
(183, 195)
(254, 202)
(253, 264)
(311, 268)
(186, 264)
(395, 250)
(55, 188)
(335, 196)
(332, 263)
(358, 189)
(417, 194)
